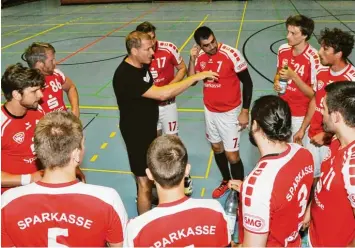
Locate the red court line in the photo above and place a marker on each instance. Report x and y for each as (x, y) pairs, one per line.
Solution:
(106, 35)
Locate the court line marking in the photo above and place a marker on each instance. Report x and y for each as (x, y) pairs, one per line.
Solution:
(192, 34)
(101, 32)
(38, 34)
(209, 164)
(151, 10)
(124, 172)
(203, 192)
(49, 19)
(102, 88)
(165, 21)
(104, 145)
(241, 23)
(93, 158)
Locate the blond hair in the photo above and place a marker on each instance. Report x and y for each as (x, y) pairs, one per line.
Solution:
(57, 135)
(134, 40)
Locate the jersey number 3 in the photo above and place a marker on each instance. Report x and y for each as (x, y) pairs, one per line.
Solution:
(302, 198)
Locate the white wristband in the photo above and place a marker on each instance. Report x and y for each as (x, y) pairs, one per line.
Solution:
(25, 179)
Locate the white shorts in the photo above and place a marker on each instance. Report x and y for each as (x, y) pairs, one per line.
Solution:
(168, 119)
(223, 127)
(296, 125)
(319, 154)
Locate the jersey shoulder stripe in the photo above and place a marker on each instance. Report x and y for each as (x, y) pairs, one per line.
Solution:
(171, 48)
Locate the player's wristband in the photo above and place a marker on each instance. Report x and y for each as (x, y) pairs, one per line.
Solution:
(25, 179)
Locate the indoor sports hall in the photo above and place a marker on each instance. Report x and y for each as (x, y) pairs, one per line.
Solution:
(89, 40)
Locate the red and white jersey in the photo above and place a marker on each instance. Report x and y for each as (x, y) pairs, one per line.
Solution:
(305, 65)
(67, 215)
(166, 58)
(17, 148)
(52, 99)
(186, 222)
(223, 94)
(333, 221)
(326, 76)
(274, 196)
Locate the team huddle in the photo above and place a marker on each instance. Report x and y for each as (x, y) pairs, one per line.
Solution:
(304, 179)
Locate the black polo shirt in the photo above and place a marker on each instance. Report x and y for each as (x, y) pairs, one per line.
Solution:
(129, 84)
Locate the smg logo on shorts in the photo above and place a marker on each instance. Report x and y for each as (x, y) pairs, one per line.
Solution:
(253, 223)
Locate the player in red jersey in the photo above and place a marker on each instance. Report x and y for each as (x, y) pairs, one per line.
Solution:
(178, 221)
(20, 113)
(334, 196)
(58, 210)
(302, 61)
(166, 59)
(336, 46)
(225, 112)
(41, 56)
(275, 194)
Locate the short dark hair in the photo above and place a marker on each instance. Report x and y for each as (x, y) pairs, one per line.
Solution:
(273, 116)
(134, 40)
(341, 98)
(305, 24)
(202, 33)
(339, 40)
(36, 52)
(167, 159)
(17, 77)
(146, 27)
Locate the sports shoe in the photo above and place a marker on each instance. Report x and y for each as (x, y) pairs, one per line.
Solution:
(220, 190)
(188, 186)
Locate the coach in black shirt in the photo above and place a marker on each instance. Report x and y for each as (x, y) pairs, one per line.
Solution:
(137, 99)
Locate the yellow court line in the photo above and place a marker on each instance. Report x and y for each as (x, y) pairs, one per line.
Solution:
(123, 172)
(173, 21)
(192, 34)
(190, 110)
(203, 192)
(38, 34)
(113, 134)
(93, 158)
(241, 24)
(104, 145)
(209, 164)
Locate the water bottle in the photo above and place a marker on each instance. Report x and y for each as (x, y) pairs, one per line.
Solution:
(230, 208)
(283, 82)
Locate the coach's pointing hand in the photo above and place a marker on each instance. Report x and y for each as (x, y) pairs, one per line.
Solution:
(206, 75)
